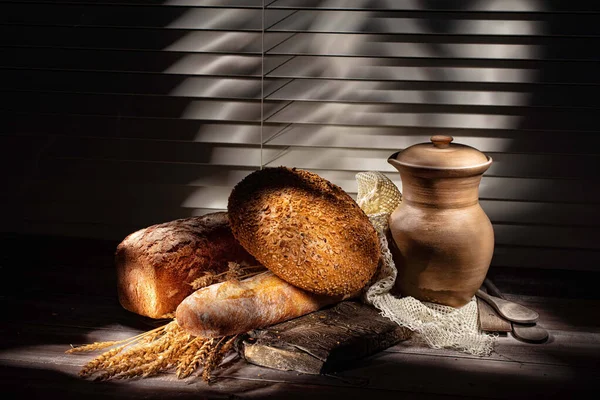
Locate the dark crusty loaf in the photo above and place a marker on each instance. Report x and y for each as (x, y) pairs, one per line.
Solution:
(305, 229)
(156, 265)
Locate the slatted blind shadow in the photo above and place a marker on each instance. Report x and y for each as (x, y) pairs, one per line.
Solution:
(124, 113)
(514, 79)
(127, 113)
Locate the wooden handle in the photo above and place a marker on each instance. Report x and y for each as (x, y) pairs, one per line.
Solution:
(492, 288)
(484, 296)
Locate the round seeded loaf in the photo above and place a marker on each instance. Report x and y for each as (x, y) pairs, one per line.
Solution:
(305, 229)
(157, 264)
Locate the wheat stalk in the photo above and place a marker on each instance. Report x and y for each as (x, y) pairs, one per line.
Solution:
(116, 355)
(217, 356)
(97, 362)
(166, 347)
(188, 357)
(161, 355)
(141, 354)
(211, 361)
(104, 345)
(177, 350)
(159, 350)
(207, 279)
(234, 271)
(198, 359)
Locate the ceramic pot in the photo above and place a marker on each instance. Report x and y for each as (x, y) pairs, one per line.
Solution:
(441, 239)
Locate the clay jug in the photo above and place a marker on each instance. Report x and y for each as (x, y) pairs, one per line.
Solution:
(441, 239)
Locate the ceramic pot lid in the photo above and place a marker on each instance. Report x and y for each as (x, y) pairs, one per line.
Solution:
(441, 153)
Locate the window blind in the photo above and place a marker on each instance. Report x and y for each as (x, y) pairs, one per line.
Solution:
(125, 113)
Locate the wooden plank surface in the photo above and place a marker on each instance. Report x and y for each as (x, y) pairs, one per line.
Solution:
(69, 297)
(323, 341)
(421, 371)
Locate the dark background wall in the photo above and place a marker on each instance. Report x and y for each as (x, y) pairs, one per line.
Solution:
(118, 114)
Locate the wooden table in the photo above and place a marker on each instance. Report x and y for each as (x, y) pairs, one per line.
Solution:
(63, 291)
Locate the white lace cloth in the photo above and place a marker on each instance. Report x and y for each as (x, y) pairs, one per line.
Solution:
(437, 325)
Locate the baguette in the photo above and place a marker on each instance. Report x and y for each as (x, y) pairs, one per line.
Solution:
(233, 307)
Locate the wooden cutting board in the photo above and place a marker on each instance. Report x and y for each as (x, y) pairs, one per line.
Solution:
(322, 341)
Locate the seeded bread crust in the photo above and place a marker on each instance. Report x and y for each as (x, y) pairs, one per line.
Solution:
(305, 229)
(156, 265)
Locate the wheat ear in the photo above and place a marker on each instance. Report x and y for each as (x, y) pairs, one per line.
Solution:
(216, 355)
(104, 345)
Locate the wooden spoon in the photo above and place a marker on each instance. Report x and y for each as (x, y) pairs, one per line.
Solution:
(525, 333)
(529, 333)
(507, 309)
